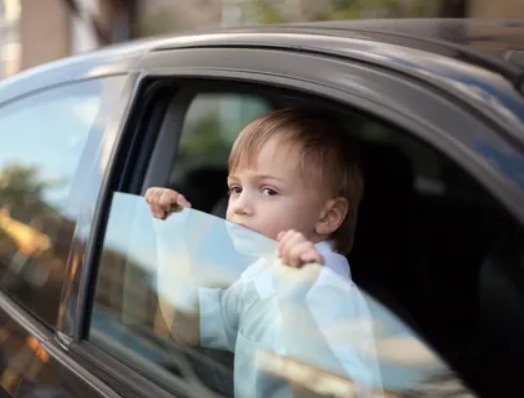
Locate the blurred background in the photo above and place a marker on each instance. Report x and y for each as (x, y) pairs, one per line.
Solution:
(37, 31)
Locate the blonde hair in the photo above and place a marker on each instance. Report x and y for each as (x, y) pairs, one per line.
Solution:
(326, 152)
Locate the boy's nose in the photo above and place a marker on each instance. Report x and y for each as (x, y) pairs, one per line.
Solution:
(242, 205)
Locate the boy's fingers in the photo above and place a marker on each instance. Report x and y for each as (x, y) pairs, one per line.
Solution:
(283, 238)
(161, 201)
(166, 199)
(290, 248)
(182, 201)
(149, 196)
(152, 207)
(287, 245)
(298, 252)
(292, 254)
(157, 212)
(279, 241)
(295, 240)
(152, 198)
(311, 256)
(295, 250)
(288, 238)
(285, 235)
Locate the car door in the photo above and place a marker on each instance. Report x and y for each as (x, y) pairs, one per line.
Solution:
(55, 145)
(187, 112)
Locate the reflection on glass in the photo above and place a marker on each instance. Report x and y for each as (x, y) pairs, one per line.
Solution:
(43, 158)
(197, 281)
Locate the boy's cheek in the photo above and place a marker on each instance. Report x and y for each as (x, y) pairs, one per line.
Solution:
(229, 214)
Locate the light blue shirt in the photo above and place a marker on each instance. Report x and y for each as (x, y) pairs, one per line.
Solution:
(318, 317)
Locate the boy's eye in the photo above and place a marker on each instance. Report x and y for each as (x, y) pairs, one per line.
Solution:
(234, 190)
(269, 191)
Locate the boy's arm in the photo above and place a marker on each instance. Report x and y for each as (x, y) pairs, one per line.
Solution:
(200, 316)
(219, 316)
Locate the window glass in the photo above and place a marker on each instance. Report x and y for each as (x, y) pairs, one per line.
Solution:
(433, 174)
(168, 292)
(43, 139)
(153, 272)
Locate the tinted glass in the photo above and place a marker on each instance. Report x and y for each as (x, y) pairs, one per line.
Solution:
(43, 138)
(16, 354)
(163, 285)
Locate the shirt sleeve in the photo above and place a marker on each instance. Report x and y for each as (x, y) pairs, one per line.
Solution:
(219, 315)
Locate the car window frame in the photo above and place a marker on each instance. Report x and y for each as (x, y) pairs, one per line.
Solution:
(250, 67)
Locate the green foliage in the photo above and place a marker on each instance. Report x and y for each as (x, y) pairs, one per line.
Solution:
(21, 189)
(8, 247)
(154, 24)
(267, 12)
(19, 184)
(202, 139)
(271, 11)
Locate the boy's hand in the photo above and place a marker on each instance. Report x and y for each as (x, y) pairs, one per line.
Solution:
(162, 200)
(295, 250)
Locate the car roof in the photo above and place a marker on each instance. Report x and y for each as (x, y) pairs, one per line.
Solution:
(484, 42)
(490, 37)
(494, 44)
(477, 42)
(481, 39)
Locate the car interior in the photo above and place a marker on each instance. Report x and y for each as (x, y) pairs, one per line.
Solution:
(431, 243)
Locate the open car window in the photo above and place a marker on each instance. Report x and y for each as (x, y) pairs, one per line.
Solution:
(205, 306)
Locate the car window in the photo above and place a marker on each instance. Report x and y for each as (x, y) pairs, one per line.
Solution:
(424, 234)
(155, 280)
(43, 138)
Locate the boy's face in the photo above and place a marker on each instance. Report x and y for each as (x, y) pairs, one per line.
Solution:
(271, 195)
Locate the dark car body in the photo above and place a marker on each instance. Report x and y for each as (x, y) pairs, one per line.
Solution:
(456, 85)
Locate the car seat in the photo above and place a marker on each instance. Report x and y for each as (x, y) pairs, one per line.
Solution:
(380, 259)
(204, 187)
(501, 297)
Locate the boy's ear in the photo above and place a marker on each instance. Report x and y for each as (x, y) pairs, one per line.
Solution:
(332, 216)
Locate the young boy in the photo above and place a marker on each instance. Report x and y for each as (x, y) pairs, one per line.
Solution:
(293, 177)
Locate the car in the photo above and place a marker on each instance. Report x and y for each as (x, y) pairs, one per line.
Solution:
(437, 107)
